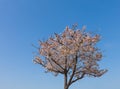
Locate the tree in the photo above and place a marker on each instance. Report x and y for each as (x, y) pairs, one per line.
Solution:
(73, 54)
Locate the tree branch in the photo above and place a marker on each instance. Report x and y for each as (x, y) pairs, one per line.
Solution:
(56, 70)
(57, 64)
(78, 78)
(74, 69)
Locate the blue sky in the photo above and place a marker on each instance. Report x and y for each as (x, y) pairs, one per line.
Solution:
(24, 22)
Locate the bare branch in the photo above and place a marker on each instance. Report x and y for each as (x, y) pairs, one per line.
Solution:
(78, 78)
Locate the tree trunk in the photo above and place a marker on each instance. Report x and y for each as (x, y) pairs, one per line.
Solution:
(65, 81)
(65, 88)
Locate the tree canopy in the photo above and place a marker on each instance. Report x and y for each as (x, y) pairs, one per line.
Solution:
(72, 53)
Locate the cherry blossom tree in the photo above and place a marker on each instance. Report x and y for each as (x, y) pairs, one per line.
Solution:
(72, 53)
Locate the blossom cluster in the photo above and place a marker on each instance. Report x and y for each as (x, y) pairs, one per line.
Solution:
(73, 50)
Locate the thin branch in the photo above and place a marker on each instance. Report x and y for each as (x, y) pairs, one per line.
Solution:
(56, 70)
(38, 63)
(57, 64)
(78, 78)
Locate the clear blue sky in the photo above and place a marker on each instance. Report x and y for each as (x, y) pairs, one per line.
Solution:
(24, 22)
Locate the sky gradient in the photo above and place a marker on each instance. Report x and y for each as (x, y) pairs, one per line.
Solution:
(24, 22)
